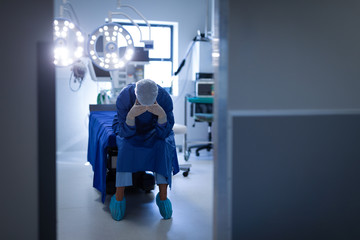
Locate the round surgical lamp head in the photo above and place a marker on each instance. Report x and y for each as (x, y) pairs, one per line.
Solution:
(106, 54)
(68, 42)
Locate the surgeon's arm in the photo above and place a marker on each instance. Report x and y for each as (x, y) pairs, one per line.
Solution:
(115, 124)
(122, 103)
(164, 129)
(165, 116)
(124, 130)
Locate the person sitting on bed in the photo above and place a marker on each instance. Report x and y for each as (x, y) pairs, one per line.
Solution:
(145, 142)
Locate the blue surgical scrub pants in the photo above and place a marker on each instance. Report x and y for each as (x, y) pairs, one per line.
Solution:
(124, 179)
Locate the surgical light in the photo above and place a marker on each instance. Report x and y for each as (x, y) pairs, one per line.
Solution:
(81, 39)
(109, 58)
(68, 42)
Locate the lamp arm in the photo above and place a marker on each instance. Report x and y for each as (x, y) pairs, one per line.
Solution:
(61, 11)
(142, 16)
(72, 11)
(127, 16)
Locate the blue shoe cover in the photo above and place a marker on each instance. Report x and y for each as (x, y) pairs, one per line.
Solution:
(164, 207)
(117, 208)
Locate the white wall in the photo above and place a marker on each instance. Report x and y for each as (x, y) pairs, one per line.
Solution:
(72, 108)
(24, 24)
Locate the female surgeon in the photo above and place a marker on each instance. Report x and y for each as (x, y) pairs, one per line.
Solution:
(145, 142)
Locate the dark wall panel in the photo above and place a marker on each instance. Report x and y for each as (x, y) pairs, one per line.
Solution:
(296, 177)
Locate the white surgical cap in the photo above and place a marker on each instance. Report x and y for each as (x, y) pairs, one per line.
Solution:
(146, 92)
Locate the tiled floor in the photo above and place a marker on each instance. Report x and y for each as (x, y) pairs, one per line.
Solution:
(82, 215)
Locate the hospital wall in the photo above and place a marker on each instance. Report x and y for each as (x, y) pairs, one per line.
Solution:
(292, 177)
(72, 107)
(24, 25)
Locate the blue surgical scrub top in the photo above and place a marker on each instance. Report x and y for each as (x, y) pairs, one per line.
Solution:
(147, 146)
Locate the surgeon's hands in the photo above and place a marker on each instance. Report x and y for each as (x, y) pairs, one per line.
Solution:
(135, 111)
(139, 109)
(157, 110)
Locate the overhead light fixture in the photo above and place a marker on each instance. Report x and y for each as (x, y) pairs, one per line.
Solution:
(104, 46)
(111, 47)
(68, 42)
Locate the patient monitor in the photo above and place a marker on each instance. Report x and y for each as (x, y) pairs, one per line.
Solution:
(205, 88)
(204, 85)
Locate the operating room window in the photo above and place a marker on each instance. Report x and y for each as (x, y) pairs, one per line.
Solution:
(160, 66)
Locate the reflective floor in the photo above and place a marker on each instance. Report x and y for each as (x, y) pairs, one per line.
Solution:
(82, 215)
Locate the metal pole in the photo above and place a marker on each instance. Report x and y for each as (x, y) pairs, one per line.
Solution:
(185, 122)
